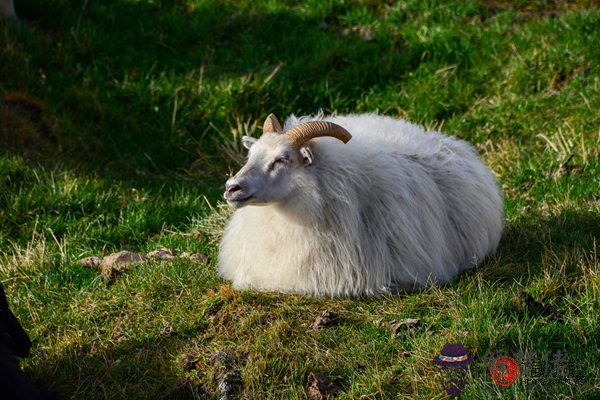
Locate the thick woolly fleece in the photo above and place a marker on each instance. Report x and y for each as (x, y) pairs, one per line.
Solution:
(395, 207)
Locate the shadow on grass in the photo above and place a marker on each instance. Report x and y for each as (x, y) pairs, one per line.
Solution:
(141, 90)
(141, 368)
(542, 241)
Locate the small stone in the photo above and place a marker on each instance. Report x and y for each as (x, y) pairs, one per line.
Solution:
(196, 257)
(214, 309)
(408, 323)
(546, 310)
(366, 33)
(402, 327)
(116, 264)
(162, 254)
(321, 387)
(568, 170)
(230, 386)
(90, 262)
(200, 257)
(523, 297)
(325, 318)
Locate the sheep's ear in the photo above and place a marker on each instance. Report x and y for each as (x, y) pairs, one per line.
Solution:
(248, 141)
(307, 155)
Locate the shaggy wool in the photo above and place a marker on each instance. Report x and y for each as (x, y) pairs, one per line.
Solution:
(395, 207)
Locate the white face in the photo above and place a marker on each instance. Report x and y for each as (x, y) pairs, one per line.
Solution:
(267, 175)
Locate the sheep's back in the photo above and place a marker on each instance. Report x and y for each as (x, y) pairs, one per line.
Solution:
(427, 201)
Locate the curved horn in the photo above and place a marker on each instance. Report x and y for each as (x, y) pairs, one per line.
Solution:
(304, 132)
(271, 125)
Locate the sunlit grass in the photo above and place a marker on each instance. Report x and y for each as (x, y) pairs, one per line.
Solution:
(142, 107)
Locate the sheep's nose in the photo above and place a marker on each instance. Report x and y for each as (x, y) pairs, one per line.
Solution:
(231, 188)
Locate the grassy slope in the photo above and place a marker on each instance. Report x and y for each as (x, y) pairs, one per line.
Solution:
(147, 100)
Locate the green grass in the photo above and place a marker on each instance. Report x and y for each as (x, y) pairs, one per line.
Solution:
(144, 103)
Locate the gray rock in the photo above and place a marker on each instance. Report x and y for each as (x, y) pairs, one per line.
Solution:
(321, 388)
(400, 328)
(325, 318)
(163, 254)
(231, 386)
(214, 309)
(196, 257)
(90, 262)
(116, 264)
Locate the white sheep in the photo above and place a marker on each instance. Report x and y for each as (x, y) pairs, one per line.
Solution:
(396, 207)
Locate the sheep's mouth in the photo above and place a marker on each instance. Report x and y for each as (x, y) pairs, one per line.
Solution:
(237, 203)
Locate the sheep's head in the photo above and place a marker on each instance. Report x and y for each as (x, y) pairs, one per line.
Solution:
(273, 160)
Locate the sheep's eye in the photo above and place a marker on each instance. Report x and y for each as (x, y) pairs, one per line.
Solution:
(279, 161)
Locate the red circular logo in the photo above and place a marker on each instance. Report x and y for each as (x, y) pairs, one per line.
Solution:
(504, 371)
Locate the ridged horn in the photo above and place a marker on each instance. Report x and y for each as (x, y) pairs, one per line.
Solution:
(303, 133)
(271, 125)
